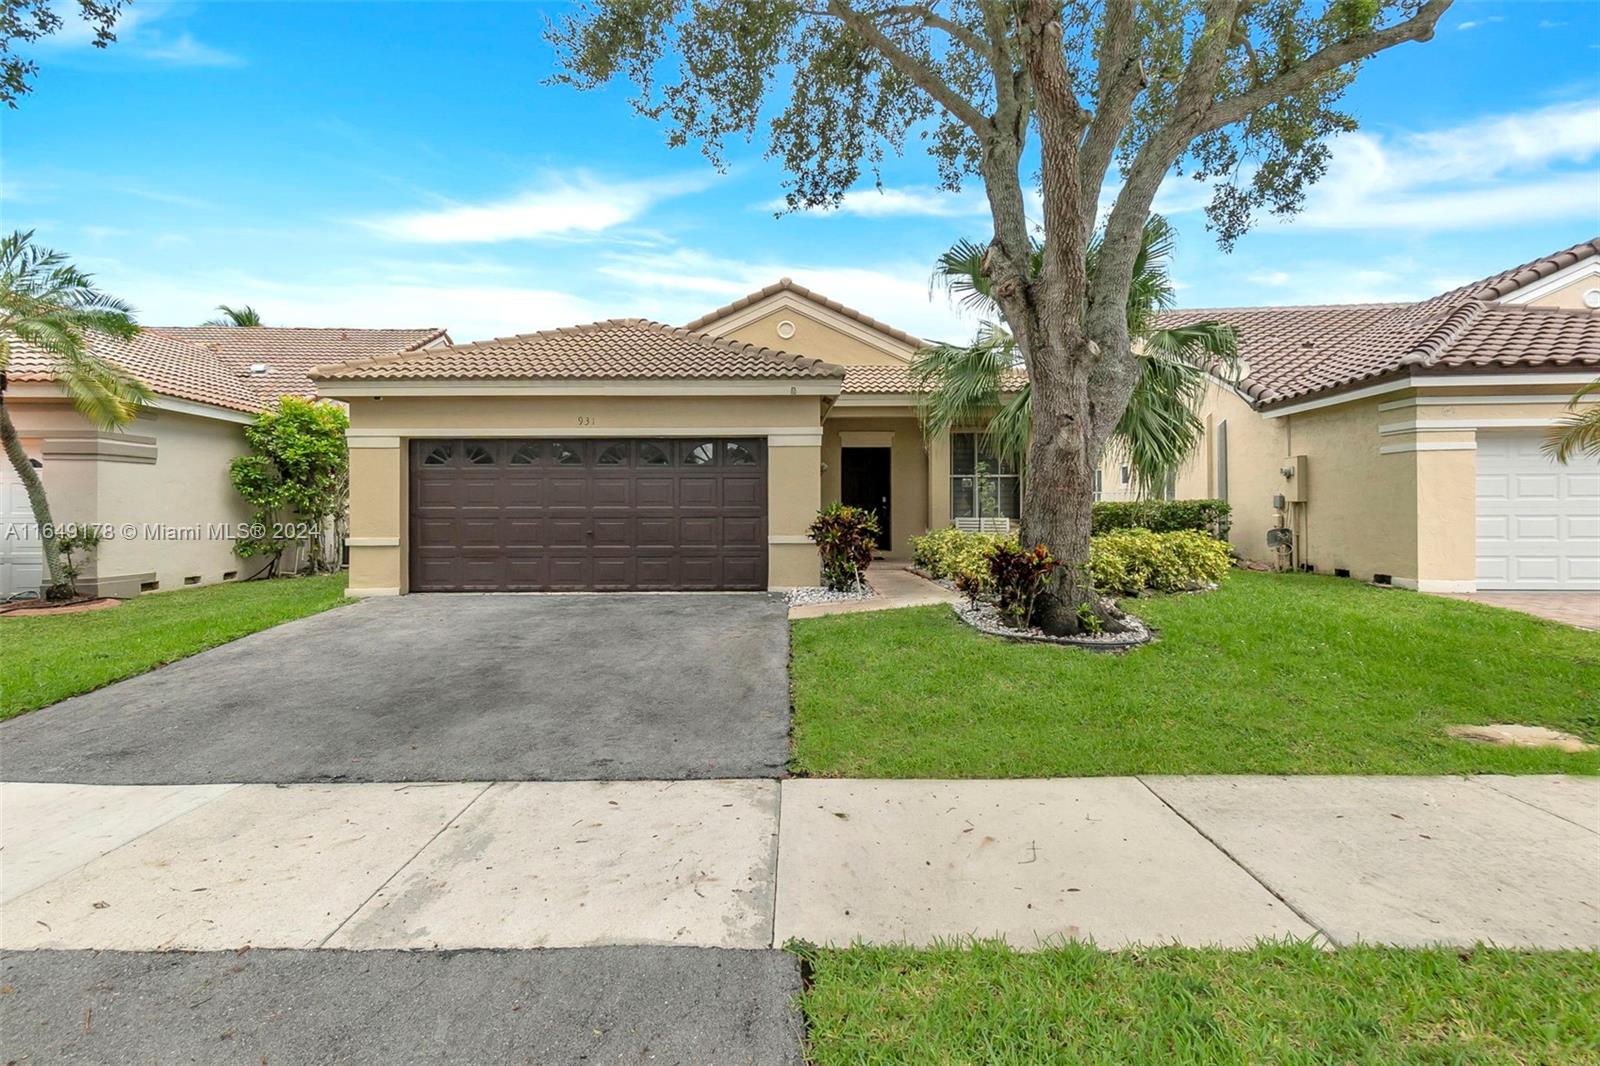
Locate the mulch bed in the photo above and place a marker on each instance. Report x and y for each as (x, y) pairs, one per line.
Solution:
(37, 607)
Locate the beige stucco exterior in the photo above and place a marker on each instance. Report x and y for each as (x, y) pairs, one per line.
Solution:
(1390, 486)
(158, 490)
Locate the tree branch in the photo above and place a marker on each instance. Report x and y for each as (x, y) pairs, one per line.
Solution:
(1236, 108)
(1121, 78)
(929, 17)
(920, 73)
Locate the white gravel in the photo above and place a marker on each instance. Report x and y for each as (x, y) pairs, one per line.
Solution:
(816, 594)
(986, 619)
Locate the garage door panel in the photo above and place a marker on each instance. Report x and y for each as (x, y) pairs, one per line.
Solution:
(655, 492)
(656, 532)
(743, 569)
(604, 514)
(744, 492)
(741, 532)
(612, 492)
(1538, 522)
(565, 532)
(613, 532)
(697, 491)
(698, 532)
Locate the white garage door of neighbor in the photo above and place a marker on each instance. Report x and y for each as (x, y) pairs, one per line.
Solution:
(1538, 521)
(21, 561)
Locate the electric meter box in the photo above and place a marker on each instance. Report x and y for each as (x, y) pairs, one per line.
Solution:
(1295, 483)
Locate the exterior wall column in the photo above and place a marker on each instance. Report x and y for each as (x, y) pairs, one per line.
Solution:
(1447, 503)
(378, 526)
(939, 481)
(794, 490)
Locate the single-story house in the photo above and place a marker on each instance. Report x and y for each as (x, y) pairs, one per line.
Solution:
(158, 488)
(1403, 442)
(629, 454)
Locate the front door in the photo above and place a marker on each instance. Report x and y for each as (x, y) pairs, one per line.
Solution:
(864, 483)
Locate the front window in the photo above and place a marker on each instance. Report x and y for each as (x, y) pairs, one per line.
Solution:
(982, 485)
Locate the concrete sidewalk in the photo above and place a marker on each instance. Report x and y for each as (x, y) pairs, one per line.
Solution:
(748, 864)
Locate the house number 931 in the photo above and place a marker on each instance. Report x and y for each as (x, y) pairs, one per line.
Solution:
(585, 420)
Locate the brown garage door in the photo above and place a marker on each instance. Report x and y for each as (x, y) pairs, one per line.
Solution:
(509, 515)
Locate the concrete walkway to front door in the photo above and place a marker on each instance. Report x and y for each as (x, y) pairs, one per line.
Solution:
(892, 586)
(1200, 860)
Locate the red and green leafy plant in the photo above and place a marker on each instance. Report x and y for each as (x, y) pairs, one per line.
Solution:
(845, 537)
(1018, 576)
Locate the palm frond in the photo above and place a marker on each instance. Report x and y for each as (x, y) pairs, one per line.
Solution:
(1579, 431)
(959, 272)
(235, 316)
(52, 306)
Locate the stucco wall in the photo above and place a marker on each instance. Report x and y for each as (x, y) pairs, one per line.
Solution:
(1391, 479)
(380, 431)
(908, 472)
(840, 342)
(1570, 295)
(158, 488)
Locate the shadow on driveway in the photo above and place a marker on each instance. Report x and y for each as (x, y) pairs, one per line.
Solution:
(444, 688)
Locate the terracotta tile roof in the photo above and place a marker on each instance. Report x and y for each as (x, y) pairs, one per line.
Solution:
(1292, 352)
(288, 353)
(166, 366)
(899, 380)
(1500, 285)
(790, 285)
(619, 348)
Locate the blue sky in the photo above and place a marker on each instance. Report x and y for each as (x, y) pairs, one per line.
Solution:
(402, 164)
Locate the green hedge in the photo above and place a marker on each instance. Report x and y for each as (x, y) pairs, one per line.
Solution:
(1128, 561)
(1164, 516)
(1123, 562)
(951, 552)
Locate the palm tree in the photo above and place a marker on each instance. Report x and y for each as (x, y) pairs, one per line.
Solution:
(52, 309)
(1160, 428)
(235, 316)
(1579, 431)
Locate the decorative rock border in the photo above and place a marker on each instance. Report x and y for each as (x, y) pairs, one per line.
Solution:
(986, 620)
(802, 597)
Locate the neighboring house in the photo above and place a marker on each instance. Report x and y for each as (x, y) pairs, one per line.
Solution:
(159, 488)
(1405, 439)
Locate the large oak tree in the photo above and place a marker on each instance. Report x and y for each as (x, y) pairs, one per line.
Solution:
(1088, 101)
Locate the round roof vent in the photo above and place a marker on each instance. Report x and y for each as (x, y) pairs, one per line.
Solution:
(1591, 298)
(786, 329)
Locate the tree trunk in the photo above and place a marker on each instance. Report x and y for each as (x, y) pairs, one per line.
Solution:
(1058, 497)
(38, 501)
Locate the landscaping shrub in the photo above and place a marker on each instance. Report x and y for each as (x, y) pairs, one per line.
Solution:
(1129, 561)
(845, 537)
(1163, 516)
(1018, 576)
(953, 553)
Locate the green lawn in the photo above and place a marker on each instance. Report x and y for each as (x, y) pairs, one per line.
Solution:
(1272, 1004)
(1271, 673)
(47, 658)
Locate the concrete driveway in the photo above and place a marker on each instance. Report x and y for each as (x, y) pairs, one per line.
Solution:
(444, 688)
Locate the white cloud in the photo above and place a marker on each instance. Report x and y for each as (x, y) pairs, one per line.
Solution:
(140, 36)
(560, 206)
(184, 51)
(923, 201)
(1274, 278)
(1472, 24)
(1497, 171)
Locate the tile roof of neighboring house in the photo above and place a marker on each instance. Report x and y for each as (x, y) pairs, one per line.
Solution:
(1293, 352)
(790, 285)
(901, 379)
(618, 348)
(168, 367)
(288, 353)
